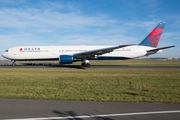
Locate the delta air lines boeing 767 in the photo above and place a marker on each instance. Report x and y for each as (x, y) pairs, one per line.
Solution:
(70, 54)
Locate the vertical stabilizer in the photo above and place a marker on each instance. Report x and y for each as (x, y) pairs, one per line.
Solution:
(153, 38)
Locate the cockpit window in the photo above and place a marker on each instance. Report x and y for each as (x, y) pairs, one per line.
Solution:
(6, 51)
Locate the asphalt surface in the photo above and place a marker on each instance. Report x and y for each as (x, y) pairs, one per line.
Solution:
(92, 67)
(21, 108)
(46, 109)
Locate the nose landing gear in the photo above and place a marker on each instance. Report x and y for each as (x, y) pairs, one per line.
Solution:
(13, 62)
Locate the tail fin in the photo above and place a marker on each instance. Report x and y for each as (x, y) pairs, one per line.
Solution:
(152, 39)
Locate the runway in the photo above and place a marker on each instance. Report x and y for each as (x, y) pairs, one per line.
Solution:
(92, 67)
(51, 109)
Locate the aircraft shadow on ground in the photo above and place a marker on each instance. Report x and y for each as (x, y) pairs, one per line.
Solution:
(28, 65)
(72, 114)
(42, 66)
(65, 66)
(80, 67)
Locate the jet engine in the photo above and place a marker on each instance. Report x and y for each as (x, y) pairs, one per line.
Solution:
(65, 59)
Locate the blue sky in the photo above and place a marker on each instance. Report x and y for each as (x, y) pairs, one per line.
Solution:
(88, 22)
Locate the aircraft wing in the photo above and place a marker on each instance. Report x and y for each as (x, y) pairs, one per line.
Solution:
(93, 53)
(154, 50)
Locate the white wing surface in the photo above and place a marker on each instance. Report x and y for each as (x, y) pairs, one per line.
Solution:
(93, 53)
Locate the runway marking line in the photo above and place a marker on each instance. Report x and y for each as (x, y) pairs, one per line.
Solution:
(94, 116)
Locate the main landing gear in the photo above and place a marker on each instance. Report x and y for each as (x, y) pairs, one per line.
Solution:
(85, 63)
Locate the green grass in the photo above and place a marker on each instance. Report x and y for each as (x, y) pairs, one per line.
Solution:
(115, 85)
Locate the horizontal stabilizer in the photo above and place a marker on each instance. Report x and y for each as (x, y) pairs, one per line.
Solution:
(157, 50)
(161, 48)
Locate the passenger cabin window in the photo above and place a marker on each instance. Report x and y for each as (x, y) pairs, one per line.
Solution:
(6, 51)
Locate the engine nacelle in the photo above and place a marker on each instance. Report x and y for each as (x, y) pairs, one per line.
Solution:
(65, 59)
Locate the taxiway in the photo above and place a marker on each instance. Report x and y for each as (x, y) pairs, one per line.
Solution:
(78, 110)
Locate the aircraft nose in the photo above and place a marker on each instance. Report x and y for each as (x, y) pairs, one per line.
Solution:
(4, 54)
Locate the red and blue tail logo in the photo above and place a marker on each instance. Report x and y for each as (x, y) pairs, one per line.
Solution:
(153, 38)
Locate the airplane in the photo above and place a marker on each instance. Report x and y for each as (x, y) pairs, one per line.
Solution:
(70, 54)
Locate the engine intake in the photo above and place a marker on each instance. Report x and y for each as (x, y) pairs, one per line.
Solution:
(65, 59)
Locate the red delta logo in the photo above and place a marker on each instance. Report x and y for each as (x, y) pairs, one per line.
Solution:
(154, 36)
(20, 49)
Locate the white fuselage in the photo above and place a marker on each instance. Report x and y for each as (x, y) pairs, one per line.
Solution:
(53, 52)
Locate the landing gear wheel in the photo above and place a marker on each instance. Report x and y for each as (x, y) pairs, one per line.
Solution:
(88, 65)
(85, 65)
(13, 62)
